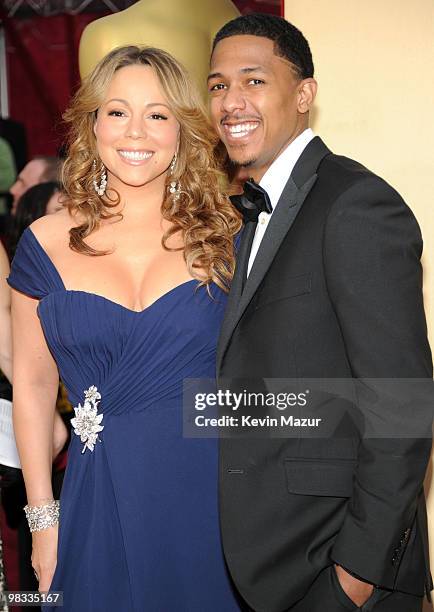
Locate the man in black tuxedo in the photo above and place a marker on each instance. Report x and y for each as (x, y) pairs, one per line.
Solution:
(328, 285)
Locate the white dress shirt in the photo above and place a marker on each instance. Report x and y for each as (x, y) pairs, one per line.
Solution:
(273, 181)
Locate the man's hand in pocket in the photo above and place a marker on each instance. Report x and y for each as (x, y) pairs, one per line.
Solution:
(358, 591)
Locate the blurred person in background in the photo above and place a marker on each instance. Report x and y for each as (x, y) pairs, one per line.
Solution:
(5, 319)
(55, 203)
(38, 170)
(39, 200)
(7, 172)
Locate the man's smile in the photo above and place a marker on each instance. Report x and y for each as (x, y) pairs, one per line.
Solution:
(236, 130)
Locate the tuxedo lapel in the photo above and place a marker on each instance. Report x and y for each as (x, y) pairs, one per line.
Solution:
(295, 192)
(280, 223)
(236, 287)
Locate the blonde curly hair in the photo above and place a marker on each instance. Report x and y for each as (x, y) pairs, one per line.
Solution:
(201, 211)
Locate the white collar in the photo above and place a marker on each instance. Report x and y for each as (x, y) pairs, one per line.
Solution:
(277, 175)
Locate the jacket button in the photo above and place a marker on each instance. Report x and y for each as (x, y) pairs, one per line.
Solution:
(396, 556)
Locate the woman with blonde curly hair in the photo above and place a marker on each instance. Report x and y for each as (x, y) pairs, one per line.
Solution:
(122, 293)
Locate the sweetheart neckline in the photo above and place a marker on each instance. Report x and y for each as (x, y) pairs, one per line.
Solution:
(98, 295)
(118, 304)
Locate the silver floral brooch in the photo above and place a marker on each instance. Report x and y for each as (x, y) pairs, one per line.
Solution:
(86, 422)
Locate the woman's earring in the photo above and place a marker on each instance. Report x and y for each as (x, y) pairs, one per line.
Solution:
(100, 189)
(175, 186)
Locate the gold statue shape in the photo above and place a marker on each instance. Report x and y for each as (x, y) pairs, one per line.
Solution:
(184, 28)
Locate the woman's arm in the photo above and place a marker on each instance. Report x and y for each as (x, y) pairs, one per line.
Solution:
(5, 317)
(35, 384)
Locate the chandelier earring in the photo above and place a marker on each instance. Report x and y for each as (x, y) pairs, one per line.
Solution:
(175, 186)
(100, 189)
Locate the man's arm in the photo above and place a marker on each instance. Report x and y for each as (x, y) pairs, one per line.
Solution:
(372, 262)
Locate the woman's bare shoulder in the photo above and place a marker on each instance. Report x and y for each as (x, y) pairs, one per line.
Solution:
(52, 231)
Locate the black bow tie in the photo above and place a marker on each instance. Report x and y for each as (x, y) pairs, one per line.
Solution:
(252, 202)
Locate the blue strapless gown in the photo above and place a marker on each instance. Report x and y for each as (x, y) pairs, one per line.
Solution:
(139, 528)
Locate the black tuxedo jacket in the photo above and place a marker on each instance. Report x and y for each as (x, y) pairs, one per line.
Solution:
(334, 292)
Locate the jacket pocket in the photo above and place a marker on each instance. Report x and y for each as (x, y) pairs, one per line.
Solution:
(291, 287)
(325, 477)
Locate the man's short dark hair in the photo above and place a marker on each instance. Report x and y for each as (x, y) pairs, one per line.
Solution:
(289, 42)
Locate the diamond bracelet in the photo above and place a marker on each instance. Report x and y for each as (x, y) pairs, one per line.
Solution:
(41, 517)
